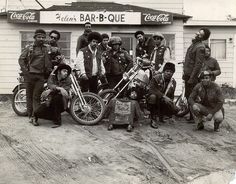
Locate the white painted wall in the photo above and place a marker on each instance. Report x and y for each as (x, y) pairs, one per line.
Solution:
(227, 72)
(10, 47)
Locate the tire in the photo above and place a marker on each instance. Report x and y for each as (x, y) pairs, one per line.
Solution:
(92, 114)
(183, 105)
(107, 95)
(19, 101)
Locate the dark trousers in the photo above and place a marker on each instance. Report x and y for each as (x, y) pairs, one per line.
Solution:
(34, 89)
(159, 107)
(188, 89)
(53, 110)
(90, 85)
(113, 80)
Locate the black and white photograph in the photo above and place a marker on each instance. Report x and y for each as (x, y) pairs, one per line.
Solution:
(117, 92)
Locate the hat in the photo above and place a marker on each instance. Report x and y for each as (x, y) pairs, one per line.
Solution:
(169, 66)
(205, 73)
(137, 33)
(207, 33)
(114, 40)
(63, 66)
(94, 35)
(157, 34)
(39, 32)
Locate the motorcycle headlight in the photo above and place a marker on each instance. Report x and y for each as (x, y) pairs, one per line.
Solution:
(133, 95)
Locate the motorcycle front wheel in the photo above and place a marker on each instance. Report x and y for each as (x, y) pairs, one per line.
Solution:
(90, 113)
(19, 101)
(182, 104)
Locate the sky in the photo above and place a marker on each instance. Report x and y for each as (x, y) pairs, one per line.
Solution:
(210, 9)
(198, 9)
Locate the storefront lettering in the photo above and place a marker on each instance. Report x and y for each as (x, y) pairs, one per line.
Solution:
(23, 16)
(65, 18)
(156, 18)
(80, 17)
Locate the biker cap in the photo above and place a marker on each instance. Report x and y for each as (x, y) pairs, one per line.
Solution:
(169, 66)
(157, 34)
(39, 32)
(63, 66)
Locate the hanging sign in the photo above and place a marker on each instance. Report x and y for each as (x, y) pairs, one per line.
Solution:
(25, 16)
(80, 17)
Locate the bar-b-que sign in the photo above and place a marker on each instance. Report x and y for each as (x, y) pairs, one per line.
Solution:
(156, 18)
(80, 17)
(25, 16)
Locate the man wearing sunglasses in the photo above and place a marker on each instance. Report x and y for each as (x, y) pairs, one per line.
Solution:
(161, 53)
(55, 51)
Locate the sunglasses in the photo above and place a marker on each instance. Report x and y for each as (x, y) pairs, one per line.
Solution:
(53, 37)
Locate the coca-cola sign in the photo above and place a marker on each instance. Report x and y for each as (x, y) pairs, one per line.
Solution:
(156, 18)
(26, 16)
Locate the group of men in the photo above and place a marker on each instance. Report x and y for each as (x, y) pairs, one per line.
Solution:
(99, 57)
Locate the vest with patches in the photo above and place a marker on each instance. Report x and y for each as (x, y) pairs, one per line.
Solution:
(159, 56)
(88, 61)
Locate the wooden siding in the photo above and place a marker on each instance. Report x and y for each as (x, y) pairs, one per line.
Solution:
(226, 65)
(10, 47)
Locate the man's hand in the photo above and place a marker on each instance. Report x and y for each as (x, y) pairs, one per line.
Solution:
(63, 92)
(209, 117)
(167, 99)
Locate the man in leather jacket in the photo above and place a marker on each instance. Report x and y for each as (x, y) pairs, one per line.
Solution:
(194, 60)
(206, 102)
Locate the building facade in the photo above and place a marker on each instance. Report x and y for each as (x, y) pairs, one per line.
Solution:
(16, 32)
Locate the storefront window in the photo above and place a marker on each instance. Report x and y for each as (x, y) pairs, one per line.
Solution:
(64, 42)
(218, 48)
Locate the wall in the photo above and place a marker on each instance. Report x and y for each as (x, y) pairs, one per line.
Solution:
(10, 46)
(227, 65)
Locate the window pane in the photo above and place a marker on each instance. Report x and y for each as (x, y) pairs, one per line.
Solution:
(218, 48)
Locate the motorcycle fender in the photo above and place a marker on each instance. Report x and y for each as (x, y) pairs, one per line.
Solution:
(20, 86)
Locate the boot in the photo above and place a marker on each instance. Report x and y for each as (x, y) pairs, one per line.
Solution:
(216, 126)
(200, 126)
(129, 128)
(110, 127)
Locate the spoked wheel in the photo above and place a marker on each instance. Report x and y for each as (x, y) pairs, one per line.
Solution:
(88, 114)
(19, 101)
(182, 104)
(107, 95)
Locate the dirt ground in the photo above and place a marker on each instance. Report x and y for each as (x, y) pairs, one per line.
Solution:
(76, 154)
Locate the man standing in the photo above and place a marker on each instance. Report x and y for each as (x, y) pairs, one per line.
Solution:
(90, 64)
(161, 94)
(210, 64)
(145, 45)
(206, 101)
(103, 46)
(36, 66)
(161, 53)
(83, 39)
(116, 61)
(55, 52)
(194, 60)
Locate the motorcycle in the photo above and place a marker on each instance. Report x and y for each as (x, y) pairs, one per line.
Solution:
(134, 83)
(85, 108)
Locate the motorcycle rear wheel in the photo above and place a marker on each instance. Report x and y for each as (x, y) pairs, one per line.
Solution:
(107, 95)
(19, 101)
(90, 114)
